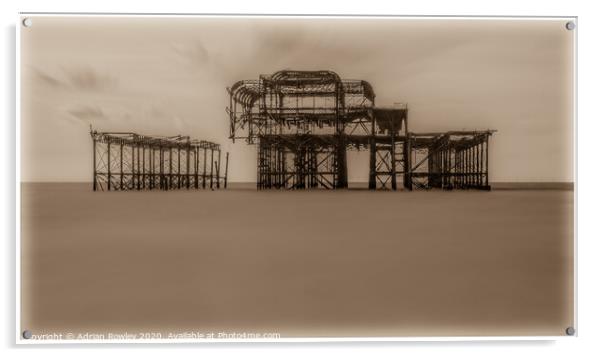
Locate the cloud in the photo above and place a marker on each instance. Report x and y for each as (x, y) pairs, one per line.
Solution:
(89, 79)
(282, 42)
(78, 79)
(88, 113)
(48, 79)
(195, 54)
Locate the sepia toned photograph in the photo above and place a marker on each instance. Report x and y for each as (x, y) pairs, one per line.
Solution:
(286, 177)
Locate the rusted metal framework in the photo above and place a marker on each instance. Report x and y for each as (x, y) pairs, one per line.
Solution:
(129, 161)
(298, 161)
(311, 113)
(303, 123)
(455, 159)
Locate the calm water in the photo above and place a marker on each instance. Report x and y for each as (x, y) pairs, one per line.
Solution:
(303, 263)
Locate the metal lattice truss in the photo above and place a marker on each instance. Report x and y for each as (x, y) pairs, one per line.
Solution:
(305, 121)
(129, 161)
(456, 159)
(298, 102)
(297, 162)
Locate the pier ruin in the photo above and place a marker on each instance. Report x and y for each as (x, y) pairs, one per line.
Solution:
(130, 161)
(303, 123)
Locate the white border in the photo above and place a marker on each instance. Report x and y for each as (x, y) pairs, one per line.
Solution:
(20, 341)
(18, 178)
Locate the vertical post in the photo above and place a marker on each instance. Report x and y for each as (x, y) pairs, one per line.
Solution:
(138, 165)
(447, 167)
(465, 158)
(179, 168)
(444, 168)
(372, 178)
(232, 115)
(450, 166)
(465, 166)
(204, 165)
(109, 165)
(151, 154)
(226, 171)
(133, 168)
(219, 164)
(162, 185)
(314, 168)
(462, 168)
(455, 167)
(269, 165)
(149, 168)
(211, 174)
(94, 163)
(487, 162)
(151, 164)
(273, 167)
(277, 165)
(468, 167)
(432, 159)
(408, 162)
(217, 173)
(481, 164)
(474, 165)
(393, 166)
(341, 147)
(170, 168)
(341, 157)
(302, 166)
(196, 167)
(259, 163)
(465, 163)
(299, 168)
(430, 164)
(143, 166)
(188, 167)
(282, 178)
(121, 165)
(459, 167)
(407, 154)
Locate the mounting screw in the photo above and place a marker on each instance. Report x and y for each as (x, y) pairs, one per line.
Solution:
(27, 22)
(570, 331)
(570, 25)
(27, 334)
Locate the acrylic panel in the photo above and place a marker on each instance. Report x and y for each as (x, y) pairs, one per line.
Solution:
(219, 177)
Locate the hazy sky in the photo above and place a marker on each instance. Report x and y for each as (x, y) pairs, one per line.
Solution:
(168, 76)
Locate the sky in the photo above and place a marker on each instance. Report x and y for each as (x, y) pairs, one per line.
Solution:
(168, 76)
